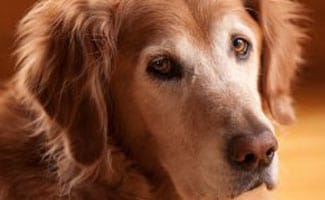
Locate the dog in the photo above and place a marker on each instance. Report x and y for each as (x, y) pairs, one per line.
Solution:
(148, 99)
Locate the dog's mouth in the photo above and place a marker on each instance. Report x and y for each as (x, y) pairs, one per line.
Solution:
(249, 182)
(269, 185)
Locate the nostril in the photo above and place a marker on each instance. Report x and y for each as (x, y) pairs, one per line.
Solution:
(270, 153)
(248, 161)
(268, 157)
(250, 158)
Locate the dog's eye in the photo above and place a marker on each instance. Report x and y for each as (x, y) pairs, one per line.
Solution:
(241, 47)
(164, 68)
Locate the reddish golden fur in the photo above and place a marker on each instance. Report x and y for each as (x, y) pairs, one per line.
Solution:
(59, 125)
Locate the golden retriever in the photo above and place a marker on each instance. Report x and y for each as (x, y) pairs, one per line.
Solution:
(148, 99)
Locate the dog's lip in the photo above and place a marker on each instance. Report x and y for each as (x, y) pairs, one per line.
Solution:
(257, 184)
(254, 184)
(268, 184)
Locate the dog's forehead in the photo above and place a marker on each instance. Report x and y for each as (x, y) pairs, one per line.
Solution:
(146, 20)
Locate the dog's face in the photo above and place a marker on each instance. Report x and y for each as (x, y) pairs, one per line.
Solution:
(191, 86)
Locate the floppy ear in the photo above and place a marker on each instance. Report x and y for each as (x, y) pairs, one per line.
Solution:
(65, 50)
(281, 54)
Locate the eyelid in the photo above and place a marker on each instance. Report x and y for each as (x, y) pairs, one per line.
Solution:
(234, 36)
(161, 54)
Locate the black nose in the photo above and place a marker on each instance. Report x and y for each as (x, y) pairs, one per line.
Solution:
(254, 151)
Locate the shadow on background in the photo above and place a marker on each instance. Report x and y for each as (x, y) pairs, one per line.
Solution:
(302, 154)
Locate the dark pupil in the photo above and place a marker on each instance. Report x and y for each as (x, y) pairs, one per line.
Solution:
(239, 44)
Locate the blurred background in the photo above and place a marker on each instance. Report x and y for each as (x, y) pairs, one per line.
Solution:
(302, 150)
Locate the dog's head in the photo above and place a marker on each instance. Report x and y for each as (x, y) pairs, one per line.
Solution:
(189, 89)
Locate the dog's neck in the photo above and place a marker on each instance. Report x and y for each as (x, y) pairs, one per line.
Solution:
(138, 149)
(40, 158)
(117, 177)
(119, 173)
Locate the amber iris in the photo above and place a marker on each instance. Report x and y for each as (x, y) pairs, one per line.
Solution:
(241, 47)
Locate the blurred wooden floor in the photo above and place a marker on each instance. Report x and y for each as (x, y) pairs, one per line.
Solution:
(302, 149)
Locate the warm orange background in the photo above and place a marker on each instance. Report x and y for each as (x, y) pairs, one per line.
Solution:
(302, 151)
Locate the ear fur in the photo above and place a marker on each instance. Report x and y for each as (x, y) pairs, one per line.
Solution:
(280, 21)
(64, 53)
